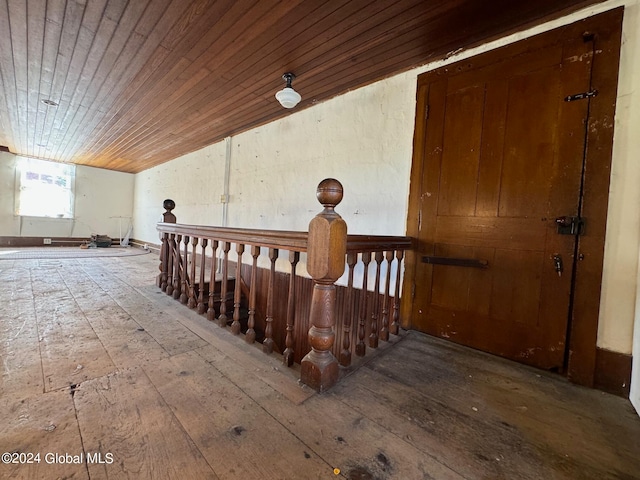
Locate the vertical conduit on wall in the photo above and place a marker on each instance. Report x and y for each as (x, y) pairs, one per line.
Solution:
(227, 173)
(225, 193)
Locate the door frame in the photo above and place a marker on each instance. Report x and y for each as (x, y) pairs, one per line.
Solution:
(606, 29)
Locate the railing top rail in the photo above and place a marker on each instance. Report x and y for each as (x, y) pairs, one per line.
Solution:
(284, 239)
(376, 243)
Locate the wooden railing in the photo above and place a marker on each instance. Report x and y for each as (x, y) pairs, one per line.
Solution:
(307, 320)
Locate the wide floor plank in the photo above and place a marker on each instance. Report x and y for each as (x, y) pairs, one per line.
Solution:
(43, 425)
(354, 443)
(236, 436)
(97, 361)
(71, 352)
(123, 415)
(172, 336)
(502, 413)
(126, 341)
(21, 368)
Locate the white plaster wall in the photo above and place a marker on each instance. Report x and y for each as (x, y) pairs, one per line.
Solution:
(194, 181)
(623, 221)
(364, 138)
(100, 195)
(621, 272)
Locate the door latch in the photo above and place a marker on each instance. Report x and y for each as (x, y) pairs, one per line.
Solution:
(581, 96)
(570, 225)
(557, 263)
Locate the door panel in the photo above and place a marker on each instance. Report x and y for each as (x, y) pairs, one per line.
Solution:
(460, 160)
(530, 143)
(503, 157)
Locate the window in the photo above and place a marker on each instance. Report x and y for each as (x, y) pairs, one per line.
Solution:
(45, 188)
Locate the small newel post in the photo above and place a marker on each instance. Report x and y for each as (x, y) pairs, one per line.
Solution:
(167, 217)
(327, 247)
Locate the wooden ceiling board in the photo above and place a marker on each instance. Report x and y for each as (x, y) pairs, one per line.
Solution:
(140, 47)
(119, 54)
(48, 32)
(141, 82)
(150, 98)
(206, 87)
(96, 75)
(201, 116)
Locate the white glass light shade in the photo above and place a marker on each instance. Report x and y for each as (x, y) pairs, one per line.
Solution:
(288, 97)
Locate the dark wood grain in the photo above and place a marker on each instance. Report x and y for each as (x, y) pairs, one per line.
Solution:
(267, 344)
(613, 372)
(237, 291)
(586, 306)
(140, 83)
(504, 210)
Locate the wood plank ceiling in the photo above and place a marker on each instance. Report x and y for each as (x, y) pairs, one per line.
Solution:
(140, 82)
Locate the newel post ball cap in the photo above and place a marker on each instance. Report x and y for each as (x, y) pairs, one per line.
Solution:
(329, 192)
(169, 204)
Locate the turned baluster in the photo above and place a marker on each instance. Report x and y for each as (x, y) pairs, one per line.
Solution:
(164, 262)
(222, 318)
(384, 329)
(362, 313)
(185, 265)
(163, 266)
(176, 268)
(294, 258)
(167, 217)
(250, 336)
(171, 256)
(192, 279)
(395, 325)
(267, 344)
(237, 294)
(202, 306)
(327, 247)
(373, 335)
(345, 355)
(211, 312)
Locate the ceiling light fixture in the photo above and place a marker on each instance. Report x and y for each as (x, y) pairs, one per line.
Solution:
(288, 97)
(49, 103)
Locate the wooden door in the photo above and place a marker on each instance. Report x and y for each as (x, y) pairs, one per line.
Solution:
(502, 158)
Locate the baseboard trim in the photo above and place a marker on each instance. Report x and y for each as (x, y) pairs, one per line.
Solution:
(142, 244)
(613, 372)
(64, 242)
(39, 241)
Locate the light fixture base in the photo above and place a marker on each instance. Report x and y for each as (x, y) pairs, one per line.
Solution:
(288, 78)
(288, 97)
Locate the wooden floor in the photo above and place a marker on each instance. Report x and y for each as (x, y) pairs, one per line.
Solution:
(97, 361)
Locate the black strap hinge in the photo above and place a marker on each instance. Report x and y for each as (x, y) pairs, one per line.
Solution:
(581, 96)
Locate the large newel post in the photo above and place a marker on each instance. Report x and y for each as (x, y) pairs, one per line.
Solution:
(326, 252)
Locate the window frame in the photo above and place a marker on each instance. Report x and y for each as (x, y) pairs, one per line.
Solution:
(29, 193)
